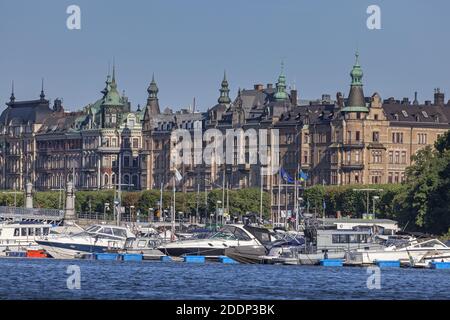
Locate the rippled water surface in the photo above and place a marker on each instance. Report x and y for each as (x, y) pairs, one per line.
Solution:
(47, 279)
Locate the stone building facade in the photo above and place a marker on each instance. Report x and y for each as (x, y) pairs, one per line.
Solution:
(349, 140)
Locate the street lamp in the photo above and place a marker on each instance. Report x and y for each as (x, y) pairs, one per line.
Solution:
(300, 201)
(217, 211)
(105, 208)
(151, 214)
(131, 213)
(374, 199)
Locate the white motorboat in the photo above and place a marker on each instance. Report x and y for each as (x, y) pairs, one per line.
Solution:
(95, 239)
(233, 235)
(21, 236)
(411, 251)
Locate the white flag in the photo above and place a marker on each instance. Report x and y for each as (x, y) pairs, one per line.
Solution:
(178, 175)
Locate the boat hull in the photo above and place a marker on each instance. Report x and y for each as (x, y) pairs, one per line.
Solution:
(192, 251)
(58, 250)
(246, 254)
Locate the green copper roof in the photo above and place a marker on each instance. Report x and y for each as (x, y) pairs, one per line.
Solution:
(153, 89)
(356, 101)
(224, 91)
(355, 109)
(356, 72)
(112, 97)
(281, 94)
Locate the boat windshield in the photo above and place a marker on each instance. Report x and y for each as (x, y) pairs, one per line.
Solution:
(231, 233)
(93, 229)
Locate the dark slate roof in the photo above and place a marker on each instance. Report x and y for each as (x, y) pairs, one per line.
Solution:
(23, 112)
(417, 114)
(59, 123)
(312, 114)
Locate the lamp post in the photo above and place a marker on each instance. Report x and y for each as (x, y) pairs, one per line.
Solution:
(105, 208)
(374, 199)
(297, 215)
(131, 213)
(151, 214)
(217, 211)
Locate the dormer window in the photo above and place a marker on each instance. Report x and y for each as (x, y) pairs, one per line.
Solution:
(396, 117)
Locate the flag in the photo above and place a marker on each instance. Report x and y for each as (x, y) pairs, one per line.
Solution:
(178, 175)
(303, 176)
(286, 176)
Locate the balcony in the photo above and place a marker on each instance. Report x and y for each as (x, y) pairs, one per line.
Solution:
(353, 144)
(349, 165)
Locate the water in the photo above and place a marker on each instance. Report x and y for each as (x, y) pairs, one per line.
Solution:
(47, 279)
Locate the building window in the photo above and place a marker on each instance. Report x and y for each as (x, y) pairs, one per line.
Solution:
(375, 136)
(135, 143)
(305, 157)
(126, 161)
(377, 156)
(397, 157)
(375, 117)
(404, 157)
(358, 136)
(356, 177)
(422, 138)
(397, 137)
(390, 177)
(357, 157)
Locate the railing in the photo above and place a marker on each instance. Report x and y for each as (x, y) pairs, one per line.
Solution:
(36, 212)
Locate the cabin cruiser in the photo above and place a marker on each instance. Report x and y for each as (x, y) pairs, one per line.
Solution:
(95, 239)
(284, 242)
(146, 243)
(21, 236)
(411, 251)
(233, 235)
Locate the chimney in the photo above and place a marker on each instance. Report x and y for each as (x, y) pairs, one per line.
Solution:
(294, 97)
(340, 99)
(258, 87)
(326, 99)
(269, 86)
(439, 97)
(428, 103)
(405, 101)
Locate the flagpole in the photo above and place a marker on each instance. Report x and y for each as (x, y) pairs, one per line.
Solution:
(173, 210)
(160, 202)
(296, 201)
(261, 198)
(279, 197)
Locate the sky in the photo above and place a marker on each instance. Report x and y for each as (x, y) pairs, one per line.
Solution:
(188, 44)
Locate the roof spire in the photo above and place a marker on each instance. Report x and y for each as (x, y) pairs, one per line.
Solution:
(12, 98)
(416, 101)
(281, 94)
(42, 96)
(114, 71)
(356, 101)
(224, 91)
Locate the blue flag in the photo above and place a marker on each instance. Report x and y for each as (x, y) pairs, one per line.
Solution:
(303, 176)
(286, 176)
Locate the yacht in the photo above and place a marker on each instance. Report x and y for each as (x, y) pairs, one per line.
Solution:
(233, 235)
(410, 251)
(21, 236)
(95, 239)
(284, 243)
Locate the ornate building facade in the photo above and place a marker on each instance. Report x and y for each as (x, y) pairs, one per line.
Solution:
(351, 140)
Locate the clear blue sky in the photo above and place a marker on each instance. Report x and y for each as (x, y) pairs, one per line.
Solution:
(188, 44)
